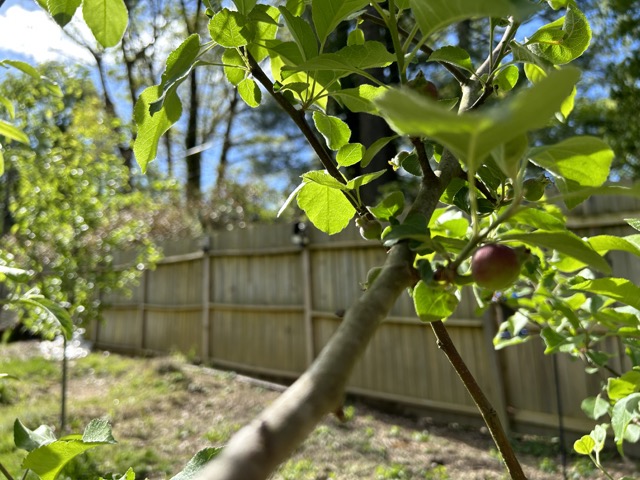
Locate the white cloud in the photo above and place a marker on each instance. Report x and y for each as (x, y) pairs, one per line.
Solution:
(34, 35)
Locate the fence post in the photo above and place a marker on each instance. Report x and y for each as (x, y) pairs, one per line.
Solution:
(142, 313)
(307, 304)
(206, 293)
(496, 367)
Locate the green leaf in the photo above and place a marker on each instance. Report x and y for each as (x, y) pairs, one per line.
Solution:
(522, 54)
(472, 136)
(327, 208)
(348, 60)
(245, 6)
(509, 155)
(48, 460)
(265, 29)
(129, 475)
(433, 303)
(151, 128)
(107, 20)
(12, 133)
(538, 219)
(375, 147)
(584, 445)
(250, 92)
(350, 154)
(179, 64)
(434, 15)
(564, 242)
(197, 463)
(356, 37)
(24, 67)
(594, 407)
(553, 340)
(389, 207)
(31, 439)
(359, 99)
(296, 7)
(8, 105)
(62, 11)
(454, 55)
(322, 177)
(619, 289)
(582, 161)
(624, 413)
(234, 66)
(228, 29)
(15, 274)
(335, 131)
(623, 386)
(414, 227)
(52, 309)
(1, 162)
(563, 40)
(633, 222)
(605, 243)
(301, 33)
(327, 14)
(361, 180)
(98, 431)
(506, 79)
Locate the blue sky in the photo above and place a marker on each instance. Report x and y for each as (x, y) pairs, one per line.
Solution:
(28, 33)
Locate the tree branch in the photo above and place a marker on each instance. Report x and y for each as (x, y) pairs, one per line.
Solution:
(258, 448)
(299, 119)
(487, 411)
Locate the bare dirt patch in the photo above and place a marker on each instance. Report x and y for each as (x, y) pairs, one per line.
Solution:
(165, 410)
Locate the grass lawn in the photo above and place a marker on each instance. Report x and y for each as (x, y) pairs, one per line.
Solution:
(163, 410)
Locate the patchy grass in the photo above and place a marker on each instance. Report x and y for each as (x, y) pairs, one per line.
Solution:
(164, 410)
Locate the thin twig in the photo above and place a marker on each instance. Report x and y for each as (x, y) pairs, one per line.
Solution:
(2, 469)
(487, 411)
(482, 188)
(498, 53)
(423, 159)
(299, 119)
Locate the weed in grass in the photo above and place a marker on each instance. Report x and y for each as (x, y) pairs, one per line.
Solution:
(393, 472)
(438, 472)
(423, 436)
(395, 431)
(349, 412)
(221, 433)
(548, 465)
(583, 467)
(298, 470)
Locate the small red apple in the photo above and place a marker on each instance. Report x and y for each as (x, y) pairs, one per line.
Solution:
(495, 267)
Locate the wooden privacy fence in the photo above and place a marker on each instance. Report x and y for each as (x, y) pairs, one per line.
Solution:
(254, 302)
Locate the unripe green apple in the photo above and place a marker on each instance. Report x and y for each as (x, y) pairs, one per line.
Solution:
(372, 275)
(423, 86)
(495, 267)
(370, 228)
(533, 188)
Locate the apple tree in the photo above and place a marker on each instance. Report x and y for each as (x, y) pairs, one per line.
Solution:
(478, 200)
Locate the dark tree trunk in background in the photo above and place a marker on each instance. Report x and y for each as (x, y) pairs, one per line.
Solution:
(366, 128)
(194, 159)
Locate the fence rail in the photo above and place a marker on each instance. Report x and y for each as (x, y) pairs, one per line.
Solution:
(254, 302)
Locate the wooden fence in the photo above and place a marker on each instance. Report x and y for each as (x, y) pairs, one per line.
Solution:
(254, 302)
